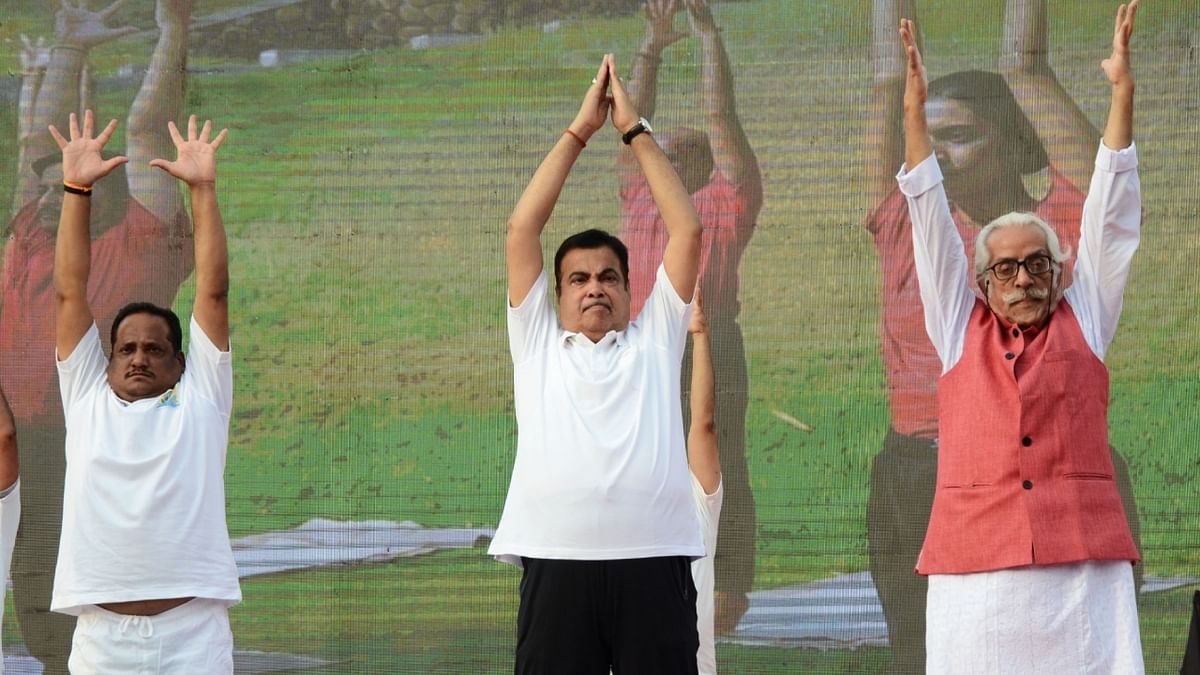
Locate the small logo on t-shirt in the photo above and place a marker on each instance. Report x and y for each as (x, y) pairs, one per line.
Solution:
(169, 399)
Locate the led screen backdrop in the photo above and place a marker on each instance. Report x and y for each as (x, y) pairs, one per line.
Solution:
(376, 150)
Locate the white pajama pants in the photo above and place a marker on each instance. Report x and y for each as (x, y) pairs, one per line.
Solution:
(191, 639)
(1076, 619)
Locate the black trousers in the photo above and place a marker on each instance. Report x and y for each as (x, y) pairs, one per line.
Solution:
(585, 617)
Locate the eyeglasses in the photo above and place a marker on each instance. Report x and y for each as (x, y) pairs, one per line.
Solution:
(1035, 265)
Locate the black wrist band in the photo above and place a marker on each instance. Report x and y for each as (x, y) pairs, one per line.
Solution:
(77, 191)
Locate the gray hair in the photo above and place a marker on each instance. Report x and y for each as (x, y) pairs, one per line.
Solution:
(1016, 219)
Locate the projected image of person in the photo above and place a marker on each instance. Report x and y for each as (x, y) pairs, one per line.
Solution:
(145, 560)
(1028, 552)
(599, 511)
(139, 249)
(988, 131)
(721, 173)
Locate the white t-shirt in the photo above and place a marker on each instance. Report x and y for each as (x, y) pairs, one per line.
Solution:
(144, 496)
(10, 518)
(601, 472)
(708, 510)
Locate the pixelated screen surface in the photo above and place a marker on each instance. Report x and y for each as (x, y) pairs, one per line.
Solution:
(376, 149)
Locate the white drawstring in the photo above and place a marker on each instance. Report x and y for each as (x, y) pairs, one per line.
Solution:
(145, 627)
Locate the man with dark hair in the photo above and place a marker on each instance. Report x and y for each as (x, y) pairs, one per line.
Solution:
(590, 239)
(599, 512)
(1028, 551)
(139, 249)
(721, 174)
(145, 560)
(174, 328)
(989, 132)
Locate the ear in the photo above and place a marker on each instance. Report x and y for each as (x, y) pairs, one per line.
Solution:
(179, 356)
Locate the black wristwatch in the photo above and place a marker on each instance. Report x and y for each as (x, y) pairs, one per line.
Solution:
(643, 126)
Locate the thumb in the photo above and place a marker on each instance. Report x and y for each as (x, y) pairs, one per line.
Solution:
(113, 163)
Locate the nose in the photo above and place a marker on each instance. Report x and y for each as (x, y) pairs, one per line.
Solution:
(1023, 279)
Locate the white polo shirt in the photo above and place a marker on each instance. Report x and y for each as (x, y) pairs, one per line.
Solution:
(601, 470)
(144, 497)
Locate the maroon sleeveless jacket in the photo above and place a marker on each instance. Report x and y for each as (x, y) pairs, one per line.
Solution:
(1024, 471)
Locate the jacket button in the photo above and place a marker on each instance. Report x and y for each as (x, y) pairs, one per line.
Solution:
(1027, 441)
(1027, 484)
(1010, 356)
(1016, 332)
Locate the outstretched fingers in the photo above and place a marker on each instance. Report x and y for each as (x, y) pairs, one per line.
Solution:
(106, 133)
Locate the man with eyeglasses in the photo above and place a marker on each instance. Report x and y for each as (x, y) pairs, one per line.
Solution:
(1028, 549)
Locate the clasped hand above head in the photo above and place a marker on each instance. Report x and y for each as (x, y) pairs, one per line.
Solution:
(606, 98)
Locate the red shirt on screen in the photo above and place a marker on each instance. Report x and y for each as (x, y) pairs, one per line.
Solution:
(911, 365)
(136, 260)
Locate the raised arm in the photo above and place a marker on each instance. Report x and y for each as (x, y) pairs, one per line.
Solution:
(82, 166)
(160, 100)
(917, 145)
(643, 79)
(732, 153)
(943, 271)
(1112, 214)
(196, 165)
(9, 462)
(523, 244)
(703, 458)
(35, 56)
(1066, 133)
(1118, 130)
(77, 31)
(682, 256)
(883, 149)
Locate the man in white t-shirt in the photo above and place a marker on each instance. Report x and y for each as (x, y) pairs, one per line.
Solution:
(10, 495)
(708, 490)
(599, 511)
(144, 560)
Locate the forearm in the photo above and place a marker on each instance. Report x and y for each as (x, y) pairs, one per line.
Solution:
(160, 98)
(643, 78)
(212, 254)
(1064, 130)
(643, 92)
(682, 255)
(731, 149)
(57, 97)
(703, 388)
(72, 249)
(883, 150)
(532, 212)
(1118, 130)
(703, 457)
(211, 308)
(27, 182)
(917, 145)
(1025, 46)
